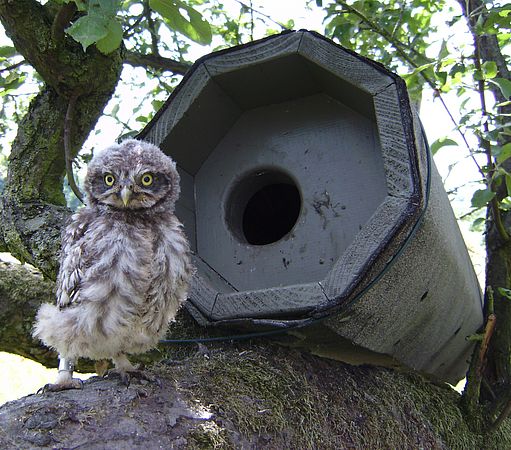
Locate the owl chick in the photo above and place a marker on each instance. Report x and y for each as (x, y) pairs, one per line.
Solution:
(124, 267)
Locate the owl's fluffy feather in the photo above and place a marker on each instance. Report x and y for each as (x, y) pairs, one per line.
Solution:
(124, 271)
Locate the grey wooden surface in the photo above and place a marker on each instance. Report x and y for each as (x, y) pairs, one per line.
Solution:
(375, 252)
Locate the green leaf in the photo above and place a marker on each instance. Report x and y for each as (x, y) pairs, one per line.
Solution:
(89, 29)
(475, 337)
(193, 27)
(490, 70)
(11, 85)
(508, 184)
(7, 51)
(157, 104)
(444, 51)
(112, 40)
(481, 197)
(503, 152)
(504, 85)
(115, 110)
(477, 225)
(504, 292)
(418, 70)
(441, 142)
(105, 7)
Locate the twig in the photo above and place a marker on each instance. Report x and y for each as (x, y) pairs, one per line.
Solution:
(137, 21)
(398, 47)
(467, 214)
(13, 66)
(68, 124)
(252, 24)
(250, 8)
(150, 27)
(489, 328)
(155, 61)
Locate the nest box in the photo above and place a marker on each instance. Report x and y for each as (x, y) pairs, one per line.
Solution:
(309, 195)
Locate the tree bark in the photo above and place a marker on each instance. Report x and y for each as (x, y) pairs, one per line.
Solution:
(33, 205)
(22, 290)
(248, 396)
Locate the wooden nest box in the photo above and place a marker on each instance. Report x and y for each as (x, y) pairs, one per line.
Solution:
(309, 195)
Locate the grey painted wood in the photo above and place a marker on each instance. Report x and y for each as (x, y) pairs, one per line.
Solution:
(157, 130)
(206, 285)
(366, 246)
(185, 208)
(248, 56)
(394, 145)
(345, 65)
(329, 151)
(426, 305)
(291, 302)
(372, 253)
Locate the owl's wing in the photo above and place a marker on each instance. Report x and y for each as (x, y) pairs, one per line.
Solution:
(71, 260)
(171, 272)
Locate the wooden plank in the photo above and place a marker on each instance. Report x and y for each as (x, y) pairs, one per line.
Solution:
(181, 100)
(345, 65)
(428, 301)
(253, 54)
(269, 303)
(205, 286)
(394, 145)
(365, 248)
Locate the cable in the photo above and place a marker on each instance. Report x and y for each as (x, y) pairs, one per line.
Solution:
(378, 277)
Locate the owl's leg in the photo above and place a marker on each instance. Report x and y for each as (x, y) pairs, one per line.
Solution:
(65, 378)
(126, 370)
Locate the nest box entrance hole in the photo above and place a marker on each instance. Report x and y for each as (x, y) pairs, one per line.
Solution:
(263, 207)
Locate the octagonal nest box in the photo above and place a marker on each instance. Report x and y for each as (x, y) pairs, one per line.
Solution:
(309, 194)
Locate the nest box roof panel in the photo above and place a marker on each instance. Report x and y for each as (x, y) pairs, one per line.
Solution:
(308, 191)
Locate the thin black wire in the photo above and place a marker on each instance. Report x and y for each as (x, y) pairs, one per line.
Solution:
(307, 322)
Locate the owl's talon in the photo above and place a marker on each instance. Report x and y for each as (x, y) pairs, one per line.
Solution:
(74, 383)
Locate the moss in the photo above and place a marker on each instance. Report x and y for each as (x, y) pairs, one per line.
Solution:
(208, 436)
(288, 399)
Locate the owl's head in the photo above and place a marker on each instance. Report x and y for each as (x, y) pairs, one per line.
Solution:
(132, 175)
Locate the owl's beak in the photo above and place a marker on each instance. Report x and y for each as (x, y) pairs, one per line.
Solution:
(125, 195)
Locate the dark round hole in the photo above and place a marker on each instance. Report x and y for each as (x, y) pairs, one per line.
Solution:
(263, 207)
(271, 213)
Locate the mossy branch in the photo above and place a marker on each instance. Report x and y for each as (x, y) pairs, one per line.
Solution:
(136, 59)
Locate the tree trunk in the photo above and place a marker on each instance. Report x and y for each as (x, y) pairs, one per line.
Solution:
(33, 204)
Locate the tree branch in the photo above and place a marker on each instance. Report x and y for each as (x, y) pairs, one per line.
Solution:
(150, 26)
(156, 62)
(13, 66)
(61, 20)
(266, 16)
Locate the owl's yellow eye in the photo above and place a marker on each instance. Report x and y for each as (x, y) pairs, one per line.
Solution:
(109, 179)
(147, 179)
